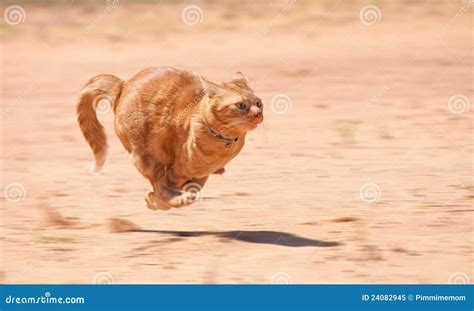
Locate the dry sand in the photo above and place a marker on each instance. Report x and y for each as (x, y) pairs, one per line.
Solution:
(369, 105)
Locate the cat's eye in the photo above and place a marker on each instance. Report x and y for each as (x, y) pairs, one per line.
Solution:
(259, 104)
(241, 106)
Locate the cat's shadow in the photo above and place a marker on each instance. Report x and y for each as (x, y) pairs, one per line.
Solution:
(259, 237)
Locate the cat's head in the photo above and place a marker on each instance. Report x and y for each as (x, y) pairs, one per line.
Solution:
(232, 107)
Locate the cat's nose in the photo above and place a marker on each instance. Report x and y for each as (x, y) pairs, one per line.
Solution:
(256, 114)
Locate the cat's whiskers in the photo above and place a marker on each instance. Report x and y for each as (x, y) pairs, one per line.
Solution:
(232, 124)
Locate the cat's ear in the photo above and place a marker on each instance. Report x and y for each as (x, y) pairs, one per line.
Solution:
(240, 77)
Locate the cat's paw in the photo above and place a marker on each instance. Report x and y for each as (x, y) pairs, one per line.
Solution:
(192, 192)
(153, 204)
(220, 171)
(190, 197)
(187, 198)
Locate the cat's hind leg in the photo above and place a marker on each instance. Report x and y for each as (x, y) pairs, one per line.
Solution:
(154, 171)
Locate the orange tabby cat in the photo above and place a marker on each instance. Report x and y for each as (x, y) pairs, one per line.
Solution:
(178, 127)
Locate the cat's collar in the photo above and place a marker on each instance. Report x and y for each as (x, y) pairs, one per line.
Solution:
(219, 137)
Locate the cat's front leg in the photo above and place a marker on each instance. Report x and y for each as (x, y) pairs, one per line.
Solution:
(165, 198)
(191, 192)
(153, 203)
(166, 195)
(220, 171)
(193, 189)
(175, 198)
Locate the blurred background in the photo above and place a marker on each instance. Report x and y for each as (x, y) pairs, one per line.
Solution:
(361, 173)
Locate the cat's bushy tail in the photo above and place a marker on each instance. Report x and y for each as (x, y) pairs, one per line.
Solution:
(99, 95)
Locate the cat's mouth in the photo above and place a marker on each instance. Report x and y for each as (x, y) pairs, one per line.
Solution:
(253, 123)
(250, 123)
(258, 118)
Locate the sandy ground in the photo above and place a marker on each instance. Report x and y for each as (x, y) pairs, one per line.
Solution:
(361, 173)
